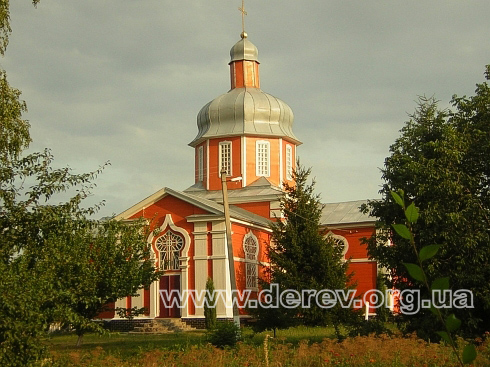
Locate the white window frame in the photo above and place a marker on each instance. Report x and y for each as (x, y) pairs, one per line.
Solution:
(222, 146)
(251, 262)
(340, 240)
(259, 165)
(200, 164)
(289, 162)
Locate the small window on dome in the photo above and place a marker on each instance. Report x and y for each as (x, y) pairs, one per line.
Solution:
(263, 158)
(200, 164)
(289, 162)
(225, 157)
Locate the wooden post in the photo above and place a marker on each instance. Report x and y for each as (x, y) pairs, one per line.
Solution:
(229, 243)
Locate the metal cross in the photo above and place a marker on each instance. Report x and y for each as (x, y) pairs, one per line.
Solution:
(242, 10)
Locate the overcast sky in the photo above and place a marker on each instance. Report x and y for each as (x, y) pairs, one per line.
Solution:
(123, 80)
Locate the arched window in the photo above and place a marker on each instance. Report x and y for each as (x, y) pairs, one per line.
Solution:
(251, 248)
(169, 246)
(340, 241)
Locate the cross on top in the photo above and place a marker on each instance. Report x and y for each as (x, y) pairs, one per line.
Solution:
(242, 10)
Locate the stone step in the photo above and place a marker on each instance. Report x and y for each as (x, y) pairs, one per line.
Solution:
(162, 326)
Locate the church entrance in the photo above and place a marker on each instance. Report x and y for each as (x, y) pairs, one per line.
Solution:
(169, 283)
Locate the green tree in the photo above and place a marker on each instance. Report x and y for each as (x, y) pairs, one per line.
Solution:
(56, 263)
(92, 264)
(441, 161)
(210, 305)
(303, 258)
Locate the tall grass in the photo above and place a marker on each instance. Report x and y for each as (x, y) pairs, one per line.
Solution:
(295, 347)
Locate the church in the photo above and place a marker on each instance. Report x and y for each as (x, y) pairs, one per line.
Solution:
(247, 134)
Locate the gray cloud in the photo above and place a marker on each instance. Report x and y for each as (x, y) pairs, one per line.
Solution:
(123, 80)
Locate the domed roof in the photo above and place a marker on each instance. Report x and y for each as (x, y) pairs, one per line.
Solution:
(245, 110)
(244, 50)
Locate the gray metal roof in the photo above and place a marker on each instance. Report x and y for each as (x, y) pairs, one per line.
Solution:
(344, 213)
(213, 206)
(245, 111)
(244, 50)
(259, 190)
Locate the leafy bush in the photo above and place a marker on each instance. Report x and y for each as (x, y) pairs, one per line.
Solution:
(367, 327)
(226, 334)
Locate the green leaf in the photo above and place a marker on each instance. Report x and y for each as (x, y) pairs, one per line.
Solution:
(452, 322)
(440, 283)
(433, 309)
(469, 353)
(402, 230)
(415, 271)
(428, 251)
(397, 199)
(444, 336)
(412, 213)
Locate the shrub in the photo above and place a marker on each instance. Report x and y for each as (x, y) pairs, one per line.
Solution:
(226, 334)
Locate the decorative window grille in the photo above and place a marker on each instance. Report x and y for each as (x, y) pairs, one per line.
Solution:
(251, 248)
(200, 164)
(289, 162)
(169, 246)
(340, 241)
(263, 158)
(225, 157)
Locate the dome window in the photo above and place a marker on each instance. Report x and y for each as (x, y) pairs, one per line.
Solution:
(263, 162)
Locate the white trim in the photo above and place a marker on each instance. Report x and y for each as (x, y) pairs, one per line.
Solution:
(281, 171)
(244, 160)
(268, 158)
(207, 164)
(223, 143)
(251, 264)
(362, 260)
(184, 264)
(340, 238)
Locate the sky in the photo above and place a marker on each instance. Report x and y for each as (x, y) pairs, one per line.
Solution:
(122, 81)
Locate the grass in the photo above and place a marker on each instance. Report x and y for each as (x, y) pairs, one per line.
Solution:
(300, 346)
(125, 345)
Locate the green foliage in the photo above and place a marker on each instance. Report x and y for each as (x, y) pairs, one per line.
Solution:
(209, 305)
(14, 131)
(225, 334)
(303, 258)
(368, 327)
(442, 161)
(451, 323)
(56, 263)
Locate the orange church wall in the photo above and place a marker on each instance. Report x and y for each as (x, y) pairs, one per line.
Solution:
(274, 177)
(170, 205)
(261, 208)
(263, 238)
(353, 236)
(214, 169)
(179, 210)
(107, 314)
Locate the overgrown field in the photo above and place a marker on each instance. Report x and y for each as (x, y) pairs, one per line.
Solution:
(294, 347)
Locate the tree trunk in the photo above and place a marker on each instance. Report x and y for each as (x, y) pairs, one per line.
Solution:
(79, 341)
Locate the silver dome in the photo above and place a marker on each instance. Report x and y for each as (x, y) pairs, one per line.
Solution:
(245, 111)
(244, 50)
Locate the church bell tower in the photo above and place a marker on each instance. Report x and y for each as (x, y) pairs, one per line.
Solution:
(245, 131)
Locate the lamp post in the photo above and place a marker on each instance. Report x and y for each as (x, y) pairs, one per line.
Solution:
(229, 243)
